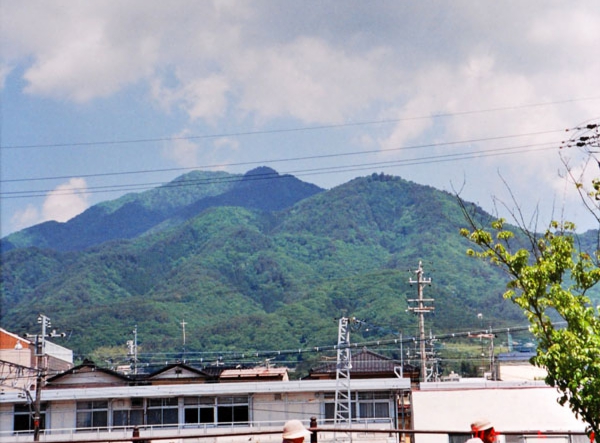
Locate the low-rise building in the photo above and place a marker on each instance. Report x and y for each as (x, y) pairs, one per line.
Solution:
(520, 412)
(89, 402)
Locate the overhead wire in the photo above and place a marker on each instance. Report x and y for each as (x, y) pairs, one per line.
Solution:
(299, 129)
(298, 173)
(290, 159)
(232, 356)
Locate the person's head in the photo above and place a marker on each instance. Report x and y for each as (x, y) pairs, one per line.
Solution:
(484, 430)
(294, 432)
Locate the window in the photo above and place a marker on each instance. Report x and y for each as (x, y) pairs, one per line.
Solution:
(127, 417)
(364, 406)
(23, 418)
(216, 410)
(128, 412)
(373, 405)
(232, 410)
(330, 410)
(162, 411)
(92, 415)
(199, 410)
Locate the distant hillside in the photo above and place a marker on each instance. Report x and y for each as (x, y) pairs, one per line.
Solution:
(257, 264)
(135, 214)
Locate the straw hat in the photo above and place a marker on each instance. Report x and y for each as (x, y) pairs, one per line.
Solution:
(481, 425)
(294, 429)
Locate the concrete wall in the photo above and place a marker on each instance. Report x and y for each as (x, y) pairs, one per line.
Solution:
(281, 407)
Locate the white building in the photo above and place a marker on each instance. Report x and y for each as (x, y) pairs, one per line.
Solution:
(517, 409)
(88, 402)
(92, 403)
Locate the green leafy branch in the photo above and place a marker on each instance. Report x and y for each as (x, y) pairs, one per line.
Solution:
(549, 283)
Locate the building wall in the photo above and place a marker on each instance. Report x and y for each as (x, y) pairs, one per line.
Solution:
(61, 415)
(9, 340)
(279, 407)
(6, 416)
(520, 372)
(269, 404)
(510, 407)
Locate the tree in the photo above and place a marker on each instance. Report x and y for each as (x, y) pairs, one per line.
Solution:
(549, 282)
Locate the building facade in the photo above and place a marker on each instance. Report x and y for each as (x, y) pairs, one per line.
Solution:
(89, 402)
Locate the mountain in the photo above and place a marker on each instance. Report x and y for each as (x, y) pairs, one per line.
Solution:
(256, 263)
(135, 214)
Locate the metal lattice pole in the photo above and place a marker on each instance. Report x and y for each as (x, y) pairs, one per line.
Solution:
(343, 410)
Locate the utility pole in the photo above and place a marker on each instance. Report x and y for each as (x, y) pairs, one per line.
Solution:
(40, 354)
(132, 349)
(183, 323)
(420, 308)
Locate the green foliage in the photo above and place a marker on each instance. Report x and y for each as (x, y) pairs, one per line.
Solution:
(247, 279)
(549, 283)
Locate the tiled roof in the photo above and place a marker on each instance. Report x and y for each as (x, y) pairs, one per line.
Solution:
(364, 361)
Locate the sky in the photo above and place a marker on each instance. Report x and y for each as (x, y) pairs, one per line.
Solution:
(100, 98)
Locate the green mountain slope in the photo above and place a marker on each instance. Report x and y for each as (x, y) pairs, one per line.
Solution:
(249, 279)
(169, 205)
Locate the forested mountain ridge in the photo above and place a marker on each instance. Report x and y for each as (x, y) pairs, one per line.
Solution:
(247, 278)
(137, 213)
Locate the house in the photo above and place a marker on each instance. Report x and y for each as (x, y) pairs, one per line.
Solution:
(89, 402)
(368, 364)
(259, 373)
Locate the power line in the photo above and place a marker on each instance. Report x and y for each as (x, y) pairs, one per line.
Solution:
(236, 356)
(298, 173)
(290, 159)
(299, 129)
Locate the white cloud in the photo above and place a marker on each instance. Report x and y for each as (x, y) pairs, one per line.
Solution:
(200, 98)
(28, 216)
(311, 81)
(270, 64)
(66, 201)
(186, 152)
(227, 143)
(4, 71)
(61, 204)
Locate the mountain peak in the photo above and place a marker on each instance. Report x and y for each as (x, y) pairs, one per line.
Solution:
(134, 214)
(261, 171)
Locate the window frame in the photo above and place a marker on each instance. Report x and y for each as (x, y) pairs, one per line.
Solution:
(94, 410)
(166, 408)
(21, 411)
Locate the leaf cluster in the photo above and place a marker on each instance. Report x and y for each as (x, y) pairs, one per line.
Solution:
(549, 282)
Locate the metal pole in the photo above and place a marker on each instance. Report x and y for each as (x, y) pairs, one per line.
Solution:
(38, 390)
(40, 349)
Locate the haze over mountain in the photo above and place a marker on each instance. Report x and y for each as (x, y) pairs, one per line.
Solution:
(254, 262)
